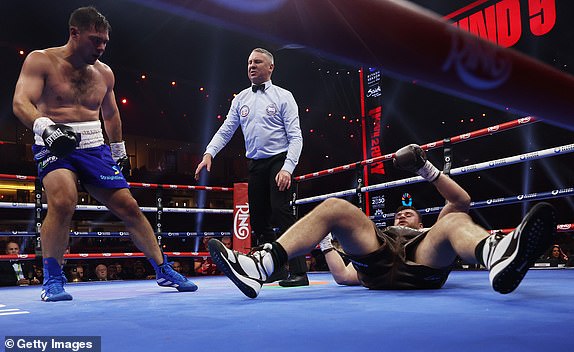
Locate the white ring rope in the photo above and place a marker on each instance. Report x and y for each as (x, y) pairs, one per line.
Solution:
(568, 148)
(519, 198)
(103, 208)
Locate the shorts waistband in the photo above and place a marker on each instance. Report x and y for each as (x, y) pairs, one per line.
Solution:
(90, 131)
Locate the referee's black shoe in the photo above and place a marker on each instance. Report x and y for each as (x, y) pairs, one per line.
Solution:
(295, 280)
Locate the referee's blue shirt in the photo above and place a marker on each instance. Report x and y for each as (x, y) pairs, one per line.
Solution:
(269, 120)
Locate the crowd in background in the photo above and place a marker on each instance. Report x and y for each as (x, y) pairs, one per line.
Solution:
(29, 272)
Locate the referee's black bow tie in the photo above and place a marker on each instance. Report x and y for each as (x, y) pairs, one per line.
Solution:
(257, 87)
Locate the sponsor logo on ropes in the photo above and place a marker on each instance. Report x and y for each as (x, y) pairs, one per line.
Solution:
(527, 196)
(495, 200)
(562, 191)
(433, 209)
(524, 120)
(529, 156)
(493, 128)
(241, 221)
(564, 148)
(465, 136)
(564, 226)
(497, 162)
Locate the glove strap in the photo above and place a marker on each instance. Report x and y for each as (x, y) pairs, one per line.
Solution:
(326, 244)
(429, 172)
(40, 125)
(118, 150)
(328, 250)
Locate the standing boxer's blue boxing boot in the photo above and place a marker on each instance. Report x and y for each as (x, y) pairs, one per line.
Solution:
(54, 280)
(167, 277)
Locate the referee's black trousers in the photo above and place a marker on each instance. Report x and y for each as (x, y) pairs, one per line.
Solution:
(268, 207)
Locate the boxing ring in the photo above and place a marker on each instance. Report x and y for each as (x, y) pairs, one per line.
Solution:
(465, 314)
(328, 316)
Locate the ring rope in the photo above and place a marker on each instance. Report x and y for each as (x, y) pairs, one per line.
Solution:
(103, 255)
(555, 193)
(568, 148)
(118, 234)
(453, 140)
(103, 208)
(561, 228)
(134, 184)
(186, 187)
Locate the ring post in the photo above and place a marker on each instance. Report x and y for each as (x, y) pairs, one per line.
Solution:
(159, 212)
(241, 225)
(38, 215)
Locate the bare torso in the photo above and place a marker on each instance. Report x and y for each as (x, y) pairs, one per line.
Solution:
(71, 94)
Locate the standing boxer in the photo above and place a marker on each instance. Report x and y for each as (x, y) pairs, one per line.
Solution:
(60, 95)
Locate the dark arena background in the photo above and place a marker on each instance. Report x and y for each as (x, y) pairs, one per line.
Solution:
(367, 81)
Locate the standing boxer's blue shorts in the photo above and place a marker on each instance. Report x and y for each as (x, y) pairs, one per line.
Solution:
(94, 166)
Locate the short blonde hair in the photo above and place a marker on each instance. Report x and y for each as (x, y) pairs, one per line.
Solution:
(266, 52)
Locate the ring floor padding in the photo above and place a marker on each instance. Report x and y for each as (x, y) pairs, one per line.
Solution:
(465, 315)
